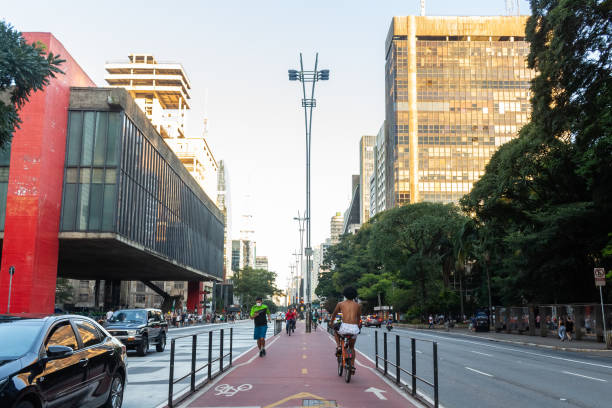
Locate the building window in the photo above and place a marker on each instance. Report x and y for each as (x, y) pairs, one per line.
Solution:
(140, 287)
(83, 297)
(140, 298)
(179, 285)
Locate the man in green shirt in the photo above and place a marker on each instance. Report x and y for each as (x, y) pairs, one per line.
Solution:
(259, 313)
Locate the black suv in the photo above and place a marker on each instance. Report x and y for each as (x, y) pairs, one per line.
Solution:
(139, 328)
(59, 361)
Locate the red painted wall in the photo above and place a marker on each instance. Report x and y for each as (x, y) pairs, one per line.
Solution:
(35, 189)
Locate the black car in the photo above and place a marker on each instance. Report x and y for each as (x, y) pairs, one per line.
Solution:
(139, 328)
(59, 361)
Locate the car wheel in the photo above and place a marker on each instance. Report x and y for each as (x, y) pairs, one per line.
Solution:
(24, 404)
(143, 347)
(115, 396)
(161, 343)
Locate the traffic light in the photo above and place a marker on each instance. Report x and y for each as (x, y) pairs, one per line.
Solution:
(293, 75)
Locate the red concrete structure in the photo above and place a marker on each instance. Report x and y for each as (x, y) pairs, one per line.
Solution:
(34, 196)
(195, 292)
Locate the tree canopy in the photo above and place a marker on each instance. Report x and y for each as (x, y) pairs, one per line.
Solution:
(250, 283)
(24, 68)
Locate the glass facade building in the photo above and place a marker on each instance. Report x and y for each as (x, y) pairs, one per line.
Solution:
(457, 88)
(121, 178)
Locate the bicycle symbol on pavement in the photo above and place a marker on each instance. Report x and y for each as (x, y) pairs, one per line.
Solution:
(229, 391)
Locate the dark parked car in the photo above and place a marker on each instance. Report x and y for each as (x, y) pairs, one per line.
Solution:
(482, 322)
(139, 328)
(59, 361)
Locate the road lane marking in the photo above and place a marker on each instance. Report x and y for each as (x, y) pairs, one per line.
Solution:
(479, 372)
(584, 376)
(510, 349)
(484, 354)
(377, 392)
(304, 371)
(419, 351)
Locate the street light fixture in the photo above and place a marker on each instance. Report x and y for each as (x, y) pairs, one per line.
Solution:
(308, 102)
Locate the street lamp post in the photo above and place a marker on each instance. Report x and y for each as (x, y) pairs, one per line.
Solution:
(11, 273)
(308, 103)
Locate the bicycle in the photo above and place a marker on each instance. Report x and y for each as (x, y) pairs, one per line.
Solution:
(345, 360)
(314, 322)
(290, 326)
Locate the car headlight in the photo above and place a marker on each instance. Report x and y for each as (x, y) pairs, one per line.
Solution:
(132, 333)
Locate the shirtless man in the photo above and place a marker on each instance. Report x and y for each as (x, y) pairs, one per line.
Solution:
(351, 313)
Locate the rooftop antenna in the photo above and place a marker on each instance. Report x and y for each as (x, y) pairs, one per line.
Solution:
(423, 7)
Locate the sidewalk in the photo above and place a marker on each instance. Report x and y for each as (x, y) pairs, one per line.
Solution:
(548, 342)
(298, 371)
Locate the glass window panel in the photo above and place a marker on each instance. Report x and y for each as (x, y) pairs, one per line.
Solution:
(88, 138)
(74, 138)
(111, 176)
(95, 211)
(72, 175)
(4, 174)
(85, 176)
(69, 207)
(83, 210)
(113, 137)
(98, 176)
(100, 140)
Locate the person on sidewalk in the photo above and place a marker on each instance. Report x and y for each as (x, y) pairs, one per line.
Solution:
(351, 313)
(569, 328)
(430, 321)
(261, 316)
(562, 330)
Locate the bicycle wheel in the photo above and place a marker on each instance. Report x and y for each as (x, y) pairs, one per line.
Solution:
(340, 366)
(348, 370)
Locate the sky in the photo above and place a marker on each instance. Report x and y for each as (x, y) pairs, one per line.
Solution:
(236, 55)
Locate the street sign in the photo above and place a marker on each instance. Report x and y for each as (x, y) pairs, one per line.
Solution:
(600, 276)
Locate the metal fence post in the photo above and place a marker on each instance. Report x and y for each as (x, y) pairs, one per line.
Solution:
(221, 351)
(397, 359)
(194, 342)
(413, 351)
(435, 373)
(376, 347)
(171, 379)
(385, 351)
(210, 335)
(231, 345)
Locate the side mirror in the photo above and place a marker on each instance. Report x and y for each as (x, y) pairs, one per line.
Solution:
(57, 352)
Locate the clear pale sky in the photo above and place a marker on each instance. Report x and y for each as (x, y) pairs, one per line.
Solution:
(236, 54)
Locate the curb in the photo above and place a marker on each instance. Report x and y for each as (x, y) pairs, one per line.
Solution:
(524, 343)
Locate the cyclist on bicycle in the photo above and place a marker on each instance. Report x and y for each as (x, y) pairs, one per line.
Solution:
(349, 325)
(290, 317)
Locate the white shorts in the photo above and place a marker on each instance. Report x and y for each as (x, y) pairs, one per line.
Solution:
(347, 328)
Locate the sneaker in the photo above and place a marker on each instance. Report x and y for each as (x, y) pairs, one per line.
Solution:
(264, 351)
(261, 353)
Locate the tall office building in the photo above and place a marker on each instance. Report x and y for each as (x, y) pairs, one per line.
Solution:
(243, 254)
(366, 168)
(224, 205)
(377, 179)
(457, 88)
(261, 262)
(162, 91)
(336, 227)
(352, 214)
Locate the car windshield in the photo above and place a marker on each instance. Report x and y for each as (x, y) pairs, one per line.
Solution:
(129, 316)
(18, 336)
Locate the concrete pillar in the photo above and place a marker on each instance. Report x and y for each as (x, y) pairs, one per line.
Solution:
(194, 295)
(112, 294)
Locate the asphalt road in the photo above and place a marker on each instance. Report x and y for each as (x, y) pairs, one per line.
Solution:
(479, 373)
(148, 376)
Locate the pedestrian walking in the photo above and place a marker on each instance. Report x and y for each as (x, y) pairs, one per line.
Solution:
(562, 330)
(261, 316)
(430, 321)
(109, 314)
(569, 328)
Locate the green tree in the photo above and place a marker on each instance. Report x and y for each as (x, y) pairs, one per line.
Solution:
(250, 283)
(24, 68)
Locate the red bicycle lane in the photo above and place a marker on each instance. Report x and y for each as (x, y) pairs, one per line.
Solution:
(299, 371)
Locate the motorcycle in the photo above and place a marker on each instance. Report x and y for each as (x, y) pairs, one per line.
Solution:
(389, 326)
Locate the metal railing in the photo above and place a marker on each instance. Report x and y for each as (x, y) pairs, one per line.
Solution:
(208, 365)
(399, 370)
(278, 326)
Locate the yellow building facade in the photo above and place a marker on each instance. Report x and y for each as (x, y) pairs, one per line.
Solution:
(457, 88)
